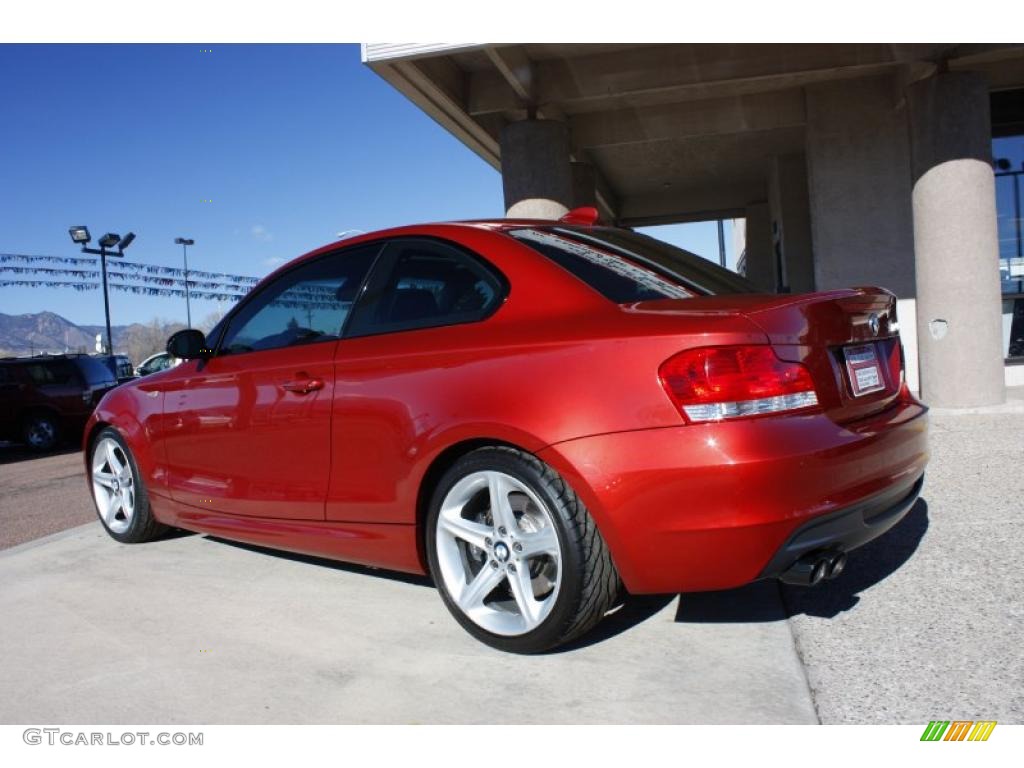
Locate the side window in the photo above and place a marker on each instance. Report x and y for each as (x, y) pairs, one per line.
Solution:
(426, 284)
(304, 305)
(213, 337)
(51, 372)
(152, 366)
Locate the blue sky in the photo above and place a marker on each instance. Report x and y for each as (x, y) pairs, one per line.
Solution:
(291, 143)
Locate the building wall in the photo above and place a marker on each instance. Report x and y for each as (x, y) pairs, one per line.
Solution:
(858, 163)
(858, 174)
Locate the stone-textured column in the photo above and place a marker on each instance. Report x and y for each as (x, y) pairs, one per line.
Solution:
(535, 170)
(791, 219)
(760, 261)
(955, 242)
(584, 185)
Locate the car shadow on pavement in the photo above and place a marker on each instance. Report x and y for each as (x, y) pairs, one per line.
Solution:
(12, 452)
(323, 562)
(753, 603)
(633, 610)
(867, 566)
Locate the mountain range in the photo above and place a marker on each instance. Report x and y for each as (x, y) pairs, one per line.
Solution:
(49, 332)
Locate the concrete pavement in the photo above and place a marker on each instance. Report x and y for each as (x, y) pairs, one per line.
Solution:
(196, 630)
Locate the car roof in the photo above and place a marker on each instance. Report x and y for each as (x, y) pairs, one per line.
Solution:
(43, 358)
(426, 229)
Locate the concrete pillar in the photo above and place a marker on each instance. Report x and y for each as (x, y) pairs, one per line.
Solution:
(760, 269)
(858, 162)
(584, 185)
(535, 171)
(956, 251)
(791, 220)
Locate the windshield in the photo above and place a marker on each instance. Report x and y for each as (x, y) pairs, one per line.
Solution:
(627, 267)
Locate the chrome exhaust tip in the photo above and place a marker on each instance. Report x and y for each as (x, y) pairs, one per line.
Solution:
(819, 571)
(814, 567)
(836, 564)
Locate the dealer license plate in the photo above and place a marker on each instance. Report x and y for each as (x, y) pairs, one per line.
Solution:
(863, 369)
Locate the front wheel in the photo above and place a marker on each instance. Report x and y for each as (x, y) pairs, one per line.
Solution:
(515, 554)
(118, 491)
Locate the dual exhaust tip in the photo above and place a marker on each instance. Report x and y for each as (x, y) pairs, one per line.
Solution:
(814, 567)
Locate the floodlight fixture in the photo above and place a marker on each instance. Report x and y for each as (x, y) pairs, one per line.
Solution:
(184, 241)
(109, 240)
(79, 235)
(126, 241)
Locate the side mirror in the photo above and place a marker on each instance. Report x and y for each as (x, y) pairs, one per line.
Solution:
(189, 344)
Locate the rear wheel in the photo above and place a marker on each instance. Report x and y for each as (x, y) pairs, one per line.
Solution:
(41, 431)
(515, 554)
(118, 491)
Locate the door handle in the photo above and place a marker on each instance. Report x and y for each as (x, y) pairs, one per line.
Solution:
(303, 387)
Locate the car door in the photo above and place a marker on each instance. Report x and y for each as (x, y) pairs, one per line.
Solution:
(248, 430)
(424, 300)
(58, 386)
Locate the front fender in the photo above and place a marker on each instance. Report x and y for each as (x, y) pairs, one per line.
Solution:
(137, 414)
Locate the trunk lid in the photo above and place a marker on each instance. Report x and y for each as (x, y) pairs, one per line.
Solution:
(848, 339)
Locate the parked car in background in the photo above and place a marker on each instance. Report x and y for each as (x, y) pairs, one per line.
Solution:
(44, 399)
(121, 365)
(536, 413)
(125, 370)
(161, 361)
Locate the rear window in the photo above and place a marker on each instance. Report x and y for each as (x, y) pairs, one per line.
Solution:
(96, 372)
(627, 267)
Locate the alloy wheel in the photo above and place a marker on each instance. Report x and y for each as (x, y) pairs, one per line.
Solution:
(498, 552)
(113, 485)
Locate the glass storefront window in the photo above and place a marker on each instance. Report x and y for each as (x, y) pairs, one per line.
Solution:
(1008, 162)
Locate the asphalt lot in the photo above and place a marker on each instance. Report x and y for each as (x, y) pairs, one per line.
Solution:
(40, 495)
(926, 622)
(923, 625)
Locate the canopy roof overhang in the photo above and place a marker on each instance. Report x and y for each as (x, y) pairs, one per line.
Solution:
(679, 132)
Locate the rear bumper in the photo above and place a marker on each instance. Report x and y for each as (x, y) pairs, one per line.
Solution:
(846, 529)
(715, 506)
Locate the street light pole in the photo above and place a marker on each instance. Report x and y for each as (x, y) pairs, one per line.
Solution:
(106, 299)
(185, 242)
(80, 236)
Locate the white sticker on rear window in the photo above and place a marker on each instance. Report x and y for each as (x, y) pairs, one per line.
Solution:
(615, 264)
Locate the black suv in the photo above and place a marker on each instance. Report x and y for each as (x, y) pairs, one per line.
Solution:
(43, 399)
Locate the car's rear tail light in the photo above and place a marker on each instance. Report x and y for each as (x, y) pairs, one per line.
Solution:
(714, 383)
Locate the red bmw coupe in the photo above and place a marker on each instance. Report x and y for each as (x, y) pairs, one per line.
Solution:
(535, 413)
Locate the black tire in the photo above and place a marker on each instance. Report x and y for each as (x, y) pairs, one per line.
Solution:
(41, 431)
(589, 582)
(143, 526)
